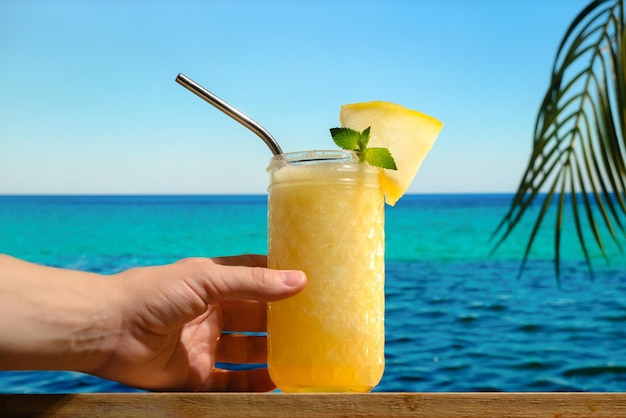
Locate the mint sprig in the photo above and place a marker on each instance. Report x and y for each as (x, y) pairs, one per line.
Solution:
(353, 140)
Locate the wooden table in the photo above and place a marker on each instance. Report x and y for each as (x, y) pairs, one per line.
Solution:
(277, 405)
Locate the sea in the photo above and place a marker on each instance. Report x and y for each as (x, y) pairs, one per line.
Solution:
(460, 314)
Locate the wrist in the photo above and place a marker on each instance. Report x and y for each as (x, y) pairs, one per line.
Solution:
(93, 324)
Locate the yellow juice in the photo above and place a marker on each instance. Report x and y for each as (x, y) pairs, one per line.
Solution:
(326, 217)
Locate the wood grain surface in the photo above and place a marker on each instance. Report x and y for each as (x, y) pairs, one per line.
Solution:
(448, 405)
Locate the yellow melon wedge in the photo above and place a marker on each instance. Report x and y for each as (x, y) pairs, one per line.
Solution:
(409, 135)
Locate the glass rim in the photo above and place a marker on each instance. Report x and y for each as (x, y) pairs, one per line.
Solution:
(311, 156)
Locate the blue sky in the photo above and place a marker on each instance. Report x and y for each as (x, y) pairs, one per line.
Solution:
(88, 101)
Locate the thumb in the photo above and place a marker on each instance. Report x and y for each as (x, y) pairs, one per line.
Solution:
(220, 281)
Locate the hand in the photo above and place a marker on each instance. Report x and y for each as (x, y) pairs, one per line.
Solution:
(173, 318)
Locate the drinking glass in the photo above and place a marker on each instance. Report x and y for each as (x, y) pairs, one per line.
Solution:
(326, 218)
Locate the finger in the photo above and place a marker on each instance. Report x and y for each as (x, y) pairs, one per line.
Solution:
(257, 283)
(241, 349)
(254, 380)
(244, 315)
(219, 281)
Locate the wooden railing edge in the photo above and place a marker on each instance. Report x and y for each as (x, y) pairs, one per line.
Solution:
(277, 405)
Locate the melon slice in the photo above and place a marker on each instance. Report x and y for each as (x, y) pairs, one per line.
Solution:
(408, 134)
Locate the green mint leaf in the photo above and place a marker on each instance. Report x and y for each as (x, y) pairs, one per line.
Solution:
(380, 157)
(346, 138)
(350, 139)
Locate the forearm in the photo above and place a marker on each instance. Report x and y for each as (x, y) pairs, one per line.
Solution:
(53, 319)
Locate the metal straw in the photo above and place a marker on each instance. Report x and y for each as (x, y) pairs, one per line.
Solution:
(230, 111)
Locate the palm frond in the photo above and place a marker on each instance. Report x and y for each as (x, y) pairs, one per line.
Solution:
(579, 146)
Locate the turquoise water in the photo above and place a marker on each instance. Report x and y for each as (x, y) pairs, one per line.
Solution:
(458, 318)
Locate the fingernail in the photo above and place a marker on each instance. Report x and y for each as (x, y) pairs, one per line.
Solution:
(292, 278)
